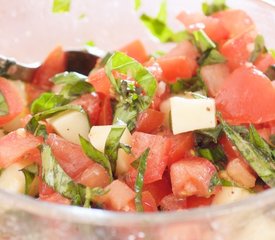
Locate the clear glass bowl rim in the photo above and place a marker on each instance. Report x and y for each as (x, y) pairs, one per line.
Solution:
(110, 218)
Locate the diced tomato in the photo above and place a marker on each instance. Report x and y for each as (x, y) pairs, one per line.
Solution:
(160, 188)
(16, 145)
(47, 194)
(106, 112)
(184, 48)
(264, 61)
(156, 160)
(238, 49)
(192, 176)
(54, 64)
(13, 100)
(196, 21)
(91, 104)
(235, 21)
(177, 67)
(118, 196)
(180, 145)
(230, 152)
(100, 81)
(214, 76)
(153, 67)
(172, 203)
(149, 121)
(241, 173)
(194, 201)
(135, 50)
(76, 164)
(148, 203)
(247, 96)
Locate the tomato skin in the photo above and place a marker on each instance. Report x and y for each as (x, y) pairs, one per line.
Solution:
(214, 76)
(172, 203)
(149, 121)
(25, 143)
(264, 61)
(53, 64)
(76, 164)
(136, 50)
(13, 99)
(177, 67)
(196, 21)
(100, 81)
(247, 96)
(148, 203)
(156, 160)
(238, 49)
(192, 176)
(90, 102)
(194, 201)
(106, 113)
(180, 145)
(235, 21)
(160, 188)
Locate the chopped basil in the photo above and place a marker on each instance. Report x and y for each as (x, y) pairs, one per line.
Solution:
(131, 99)
(103, 61)
(29, 180)
(90, 44)
(258, 48)
(137, 4)
(112, 145)
(158, 26)
(140, 179)
(260, 162)
(91, 193)
(4, 108)
(227, 183)
(272, 139)
(68, 78)
(96, 155)
(126, 148)
(216, 6)
(270, 72)
(211, 56)
(36, 128)
(55, 177)
(215, 155)
(61, 6)
(202, 41)
(215, 181)
(188, 85)
(208, 135)
(47, 101)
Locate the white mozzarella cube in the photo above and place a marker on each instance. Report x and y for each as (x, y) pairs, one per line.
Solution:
(12, 179)
(98, 136)
(189, 114)
(70, 124)
(230, 195)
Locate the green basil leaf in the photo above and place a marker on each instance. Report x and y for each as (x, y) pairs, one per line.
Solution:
(47, 101)
(227, 183)
(4, 108)
(96, 155)
(29, 178)
(272, 139)
(124, 64)
(215, 155)
(211, 56)
(204, 136)
(68, 78)
(188, 85)
(36, 128)
(215, 181)
(90, 43)
(202, 41)
(54, 176)
(77, 89)
(255, 158)
(162, 14)
(137, 4)
(258, 49)
(140, 179)
(91, 193)
(61, 6)
(103, 61)
(126, 148)
(217, 5)
(112, 145)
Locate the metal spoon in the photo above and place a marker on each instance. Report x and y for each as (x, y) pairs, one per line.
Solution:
(76, 61)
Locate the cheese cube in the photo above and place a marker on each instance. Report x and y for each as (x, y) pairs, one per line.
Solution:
(70, 124)
(98, 136)
(188, 114)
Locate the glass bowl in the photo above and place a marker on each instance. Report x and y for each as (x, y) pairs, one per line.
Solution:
(28, 32)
